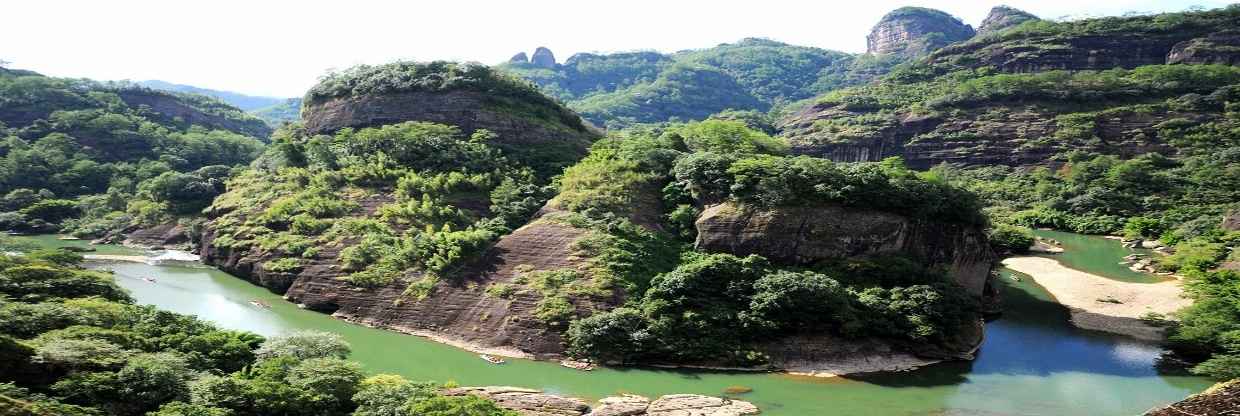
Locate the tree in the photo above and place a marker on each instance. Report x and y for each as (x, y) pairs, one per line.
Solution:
(148, 380)
(388, 395)
(186, 409)
(457, 406)
(304, 345)
(332, 380)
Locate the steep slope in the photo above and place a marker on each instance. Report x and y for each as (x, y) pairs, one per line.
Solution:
(943, 110)
(287, 111)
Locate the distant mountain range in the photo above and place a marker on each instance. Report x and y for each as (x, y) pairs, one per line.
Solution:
(239, 100)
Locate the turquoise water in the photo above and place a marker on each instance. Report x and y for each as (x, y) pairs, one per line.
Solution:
(1097, 255)
(1031, 363)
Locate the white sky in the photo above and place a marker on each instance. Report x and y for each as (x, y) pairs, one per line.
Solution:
(279, 48)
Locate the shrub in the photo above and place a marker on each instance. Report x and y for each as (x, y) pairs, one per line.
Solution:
(1011, 238)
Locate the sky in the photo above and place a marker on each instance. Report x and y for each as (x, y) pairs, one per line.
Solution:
(280, 48)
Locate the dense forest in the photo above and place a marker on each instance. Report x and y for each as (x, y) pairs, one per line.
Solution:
(89, 158)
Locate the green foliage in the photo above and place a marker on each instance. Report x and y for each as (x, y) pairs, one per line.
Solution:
(467, 405)
(647, 87)
(85, 355)
(304, 345)
(88, 158)
(768, 181)
(1011, 238)
(437, 76)
(712, 307)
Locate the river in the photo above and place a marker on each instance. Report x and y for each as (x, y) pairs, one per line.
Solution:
(1033, 362)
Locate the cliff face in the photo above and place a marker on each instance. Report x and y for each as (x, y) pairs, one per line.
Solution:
(459, 312)
(1216, 48)
(914, 31)
(1003, 17)
(806, 235)
(518, 133)
(169, 107)
(999, 134)
(1102, 44)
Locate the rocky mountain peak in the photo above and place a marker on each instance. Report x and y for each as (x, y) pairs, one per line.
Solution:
(519, 58)
(1003, 17)
(543, 58)
(916, 31)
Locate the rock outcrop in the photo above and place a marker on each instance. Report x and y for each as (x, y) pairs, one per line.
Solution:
(543, 58)
(1222, 399)
(915, 31)
(1003, 17)
(530, 402)
(1217, 48)
(519, 58)
(1096, 44)
(524, 137)
(999, 134)
(807, 235)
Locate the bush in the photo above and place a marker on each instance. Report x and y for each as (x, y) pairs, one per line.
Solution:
(1010, 238)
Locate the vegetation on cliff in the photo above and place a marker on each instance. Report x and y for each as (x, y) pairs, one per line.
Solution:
(409, 197)
(714, 308)
(75, 157)
(74, 344)
(513, 94)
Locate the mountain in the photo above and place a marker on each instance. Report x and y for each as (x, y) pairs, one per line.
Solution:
(647, 87)
(92, 158)
(622, 89)
(236, 99)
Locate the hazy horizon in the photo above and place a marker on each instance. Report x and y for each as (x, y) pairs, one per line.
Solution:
(279, 49)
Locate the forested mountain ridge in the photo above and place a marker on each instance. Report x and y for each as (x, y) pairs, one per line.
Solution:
(244, 102)
(89, 158)
(620, 89)
(643, 87)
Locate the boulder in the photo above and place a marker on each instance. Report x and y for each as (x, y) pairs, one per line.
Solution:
(806, 235)
(527, 402)
(543, 58)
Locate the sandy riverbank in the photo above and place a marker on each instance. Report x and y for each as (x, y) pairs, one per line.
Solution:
(116, 257)
(1102, 304)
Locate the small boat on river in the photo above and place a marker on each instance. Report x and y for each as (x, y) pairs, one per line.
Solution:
(260, 304)
(491, 359)
(578, 365)
(148, 279)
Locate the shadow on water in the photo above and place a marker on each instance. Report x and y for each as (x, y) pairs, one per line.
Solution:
(1034, 337)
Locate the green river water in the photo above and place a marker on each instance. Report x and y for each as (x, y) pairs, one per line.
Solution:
(1031, 363)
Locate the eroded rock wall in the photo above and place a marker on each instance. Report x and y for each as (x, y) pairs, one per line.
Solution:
(806, 235)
